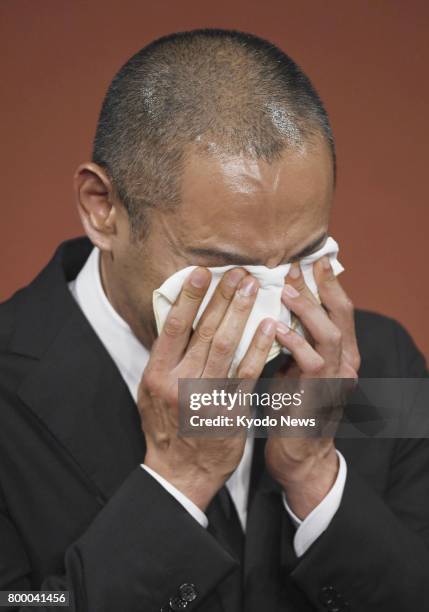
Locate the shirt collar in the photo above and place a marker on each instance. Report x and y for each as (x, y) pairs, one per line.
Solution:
(128, 353)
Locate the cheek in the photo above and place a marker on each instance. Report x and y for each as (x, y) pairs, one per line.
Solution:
(143, 268)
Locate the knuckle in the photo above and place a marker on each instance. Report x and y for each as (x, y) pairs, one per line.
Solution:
(222, 345)
(174, 327)
(304, 305)
(300, 285)
(348, 306)
(335, 337)
(262, 343)
(248, 371)
(152, 382)
(225, 292)
(154, 385)
(330, 282)
(192, 295)
(225, 289)
(242, 304)
(316, 366)
(205, 333)
(298, 340)
(330, 278)
(147, 378)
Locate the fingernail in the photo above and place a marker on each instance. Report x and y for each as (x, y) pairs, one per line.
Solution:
(198, 278)
(248, 286)
(234, 276)
(295, 271)
(290, 291)
(282, 328)
(326, 263)
(268, 327)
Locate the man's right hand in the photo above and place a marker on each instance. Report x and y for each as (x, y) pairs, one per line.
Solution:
(199, 466)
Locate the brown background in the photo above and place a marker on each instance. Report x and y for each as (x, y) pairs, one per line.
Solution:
(369, 60)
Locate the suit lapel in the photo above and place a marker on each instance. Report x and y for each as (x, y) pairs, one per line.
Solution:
(75, 388)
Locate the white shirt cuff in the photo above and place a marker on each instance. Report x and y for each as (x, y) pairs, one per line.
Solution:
(189, 505)
(319, 518)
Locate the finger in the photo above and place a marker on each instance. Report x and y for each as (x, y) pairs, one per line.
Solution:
(256, 355)
(228, 334)
(309, 361)
(174, 336)
(199, 345)
(339, 307)
(326, 336)
(295, 278)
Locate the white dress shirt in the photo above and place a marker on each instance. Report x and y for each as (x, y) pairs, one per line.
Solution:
(131, 357)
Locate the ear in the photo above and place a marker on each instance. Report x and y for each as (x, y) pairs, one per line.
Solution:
(98, 206)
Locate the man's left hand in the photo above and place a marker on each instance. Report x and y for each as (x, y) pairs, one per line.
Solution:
(307, 467)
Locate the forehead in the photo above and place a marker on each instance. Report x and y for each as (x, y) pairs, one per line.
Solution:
(237, 201)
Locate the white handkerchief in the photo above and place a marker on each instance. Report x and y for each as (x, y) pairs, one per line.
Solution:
(268, 301)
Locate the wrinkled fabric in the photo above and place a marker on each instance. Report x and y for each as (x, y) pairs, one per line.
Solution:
(268, 301)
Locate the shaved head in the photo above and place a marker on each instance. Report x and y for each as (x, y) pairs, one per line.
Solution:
(205, 92)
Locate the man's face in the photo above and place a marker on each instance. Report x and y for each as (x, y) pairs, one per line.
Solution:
(234, 210)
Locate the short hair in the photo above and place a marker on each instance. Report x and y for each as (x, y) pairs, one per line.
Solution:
(200, 90)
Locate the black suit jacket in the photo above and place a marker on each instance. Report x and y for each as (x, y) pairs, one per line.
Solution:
(78, 513)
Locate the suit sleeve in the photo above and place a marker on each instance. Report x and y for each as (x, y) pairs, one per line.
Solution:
(374, 555)
(141, 547)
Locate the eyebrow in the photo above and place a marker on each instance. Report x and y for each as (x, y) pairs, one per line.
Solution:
(231, 257)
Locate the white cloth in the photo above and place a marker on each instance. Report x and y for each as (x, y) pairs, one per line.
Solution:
(268, 301)
(131, 357)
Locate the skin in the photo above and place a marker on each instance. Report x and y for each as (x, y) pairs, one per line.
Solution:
(258, 213)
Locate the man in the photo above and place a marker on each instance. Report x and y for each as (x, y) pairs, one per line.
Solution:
(212, 148)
